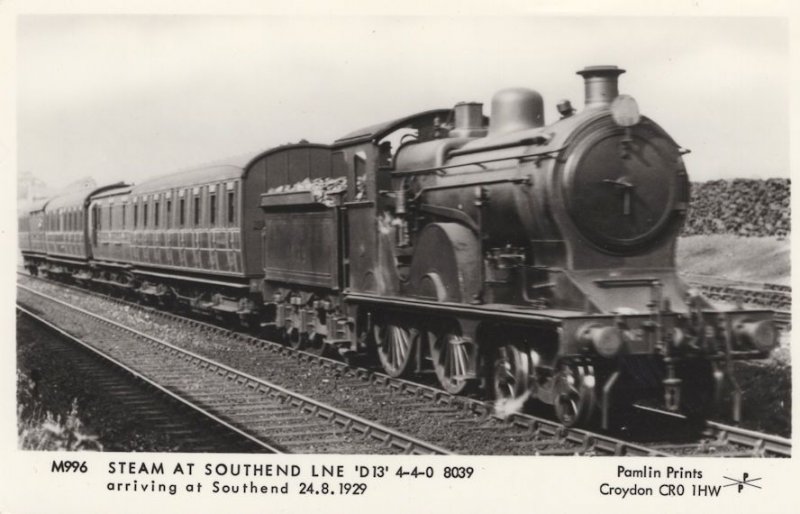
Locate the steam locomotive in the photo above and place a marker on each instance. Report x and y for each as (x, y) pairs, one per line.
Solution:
(525, 260)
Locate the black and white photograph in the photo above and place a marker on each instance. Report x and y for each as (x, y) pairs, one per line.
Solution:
(321, 256)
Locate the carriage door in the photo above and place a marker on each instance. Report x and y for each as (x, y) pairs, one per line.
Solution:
(95, 223)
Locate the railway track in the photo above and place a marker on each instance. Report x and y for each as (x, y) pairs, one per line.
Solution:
(758, 444)
(475, 424)
(465, 425)
(759, 286)
(775, 296)
(671, 434)
(278, 420)
(124, 413)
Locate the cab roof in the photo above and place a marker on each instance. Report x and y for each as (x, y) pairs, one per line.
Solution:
(379, 130)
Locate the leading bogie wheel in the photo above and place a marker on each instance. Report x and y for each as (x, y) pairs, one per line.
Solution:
(511, 372)
(396, 343)
(452, 355)
(574, 396)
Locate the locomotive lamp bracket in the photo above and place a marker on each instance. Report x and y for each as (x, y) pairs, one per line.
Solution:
(672, 394)
(737, 391)
(481, 196)
(626, 144)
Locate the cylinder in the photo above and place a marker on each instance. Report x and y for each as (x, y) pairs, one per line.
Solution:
(600, 83)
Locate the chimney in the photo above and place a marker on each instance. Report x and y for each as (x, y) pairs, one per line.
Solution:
(601, 84)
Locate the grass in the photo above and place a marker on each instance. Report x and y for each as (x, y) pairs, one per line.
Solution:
(757, 259)
(38, 429)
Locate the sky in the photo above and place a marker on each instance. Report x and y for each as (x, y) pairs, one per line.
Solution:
(127, 97)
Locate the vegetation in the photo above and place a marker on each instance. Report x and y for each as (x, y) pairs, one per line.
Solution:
(38, 429)
(762, 259)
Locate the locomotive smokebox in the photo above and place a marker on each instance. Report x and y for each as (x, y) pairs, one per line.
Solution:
(600, 83)
(468, 120)
(516, 109)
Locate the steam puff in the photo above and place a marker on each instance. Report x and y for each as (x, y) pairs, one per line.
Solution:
(504, 407)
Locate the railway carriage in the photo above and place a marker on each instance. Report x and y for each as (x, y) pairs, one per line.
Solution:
(31, 235)
(185, 238)
(66, 233)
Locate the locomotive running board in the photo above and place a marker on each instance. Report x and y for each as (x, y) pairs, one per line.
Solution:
(489, 310)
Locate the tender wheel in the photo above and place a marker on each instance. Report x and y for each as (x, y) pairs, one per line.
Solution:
(451, 355)
(290, 336)
(511, 374)
(314, 343)
(574, 396)
(396, 345)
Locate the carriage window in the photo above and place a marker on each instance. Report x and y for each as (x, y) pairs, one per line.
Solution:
(212, 208)
(168, 221)
(123, 214)
(182, 210)
(156, 212)
(196, 211)
(136, 214)
(231, 207)
(144, 221)
(111, 217)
